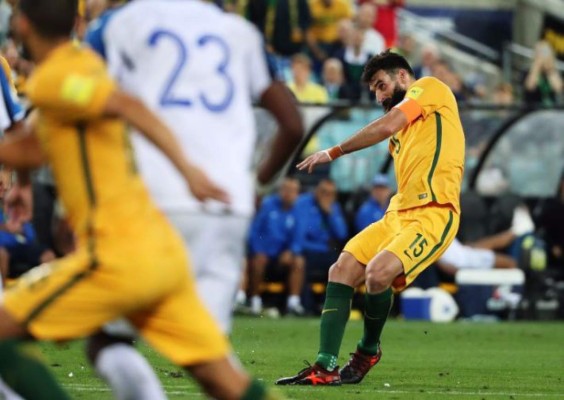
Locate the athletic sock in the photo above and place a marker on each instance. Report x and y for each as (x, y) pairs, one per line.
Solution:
(128, 373)
(334, 317)
(376, 310)
(293, 301)
(241, 297)
(25, 374)
(256, 304)
(255, 391)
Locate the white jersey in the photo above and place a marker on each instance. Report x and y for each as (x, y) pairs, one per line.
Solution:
(11, 110)
(199, 69)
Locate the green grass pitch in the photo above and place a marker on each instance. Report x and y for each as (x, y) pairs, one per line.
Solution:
(421, 361)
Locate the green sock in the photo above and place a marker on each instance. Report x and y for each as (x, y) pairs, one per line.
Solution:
(334, 319)
(25, 374)
(255, 391)
(376, 310)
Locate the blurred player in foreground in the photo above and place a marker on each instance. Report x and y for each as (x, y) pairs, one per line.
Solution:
(199, 69)
(11, 117)
(426, 141)
(79, 130)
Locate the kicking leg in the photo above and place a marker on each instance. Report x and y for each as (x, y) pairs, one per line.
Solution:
(380, 273)
(346, 274)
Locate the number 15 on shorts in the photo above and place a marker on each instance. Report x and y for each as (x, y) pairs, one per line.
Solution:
(416, 247)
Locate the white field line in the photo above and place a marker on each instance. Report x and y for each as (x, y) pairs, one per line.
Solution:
(189, 391)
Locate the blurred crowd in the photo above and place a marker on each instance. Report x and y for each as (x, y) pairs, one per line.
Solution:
(319, 47)
(297, 234)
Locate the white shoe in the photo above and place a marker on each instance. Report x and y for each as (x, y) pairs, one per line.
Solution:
(522, 222)
(256, 305)
(297, 310)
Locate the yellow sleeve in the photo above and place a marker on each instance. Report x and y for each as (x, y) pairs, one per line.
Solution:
(71, 96)
(349, 13)
(429, 93)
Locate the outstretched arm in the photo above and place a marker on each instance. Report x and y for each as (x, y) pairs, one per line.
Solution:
(133, 111)
(278, 100)
(375, 132)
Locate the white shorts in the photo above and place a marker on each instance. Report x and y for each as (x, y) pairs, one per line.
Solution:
(466, 257)
(216, 246)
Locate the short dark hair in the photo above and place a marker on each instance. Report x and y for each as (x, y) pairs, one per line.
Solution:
(50, 18)
(386, 61)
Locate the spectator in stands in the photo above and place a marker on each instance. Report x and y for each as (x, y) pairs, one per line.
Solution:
(322, 230)
(430, 54)
(326, 15)
(354, 57)
(286, 26)
(273, 244)
(460, 256)
(333, 80)
(372, 41)
(387, 21)
(302, 86)
(441, 70)
(20, 67)
(344, 28)
(543, 83)
(503, 94)
(19, 241)
(5, 14)
(374, 208)
(407, 47)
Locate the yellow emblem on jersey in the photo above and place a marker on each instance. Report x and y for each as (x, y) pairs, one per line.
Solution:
(78, 89)
(414, 92)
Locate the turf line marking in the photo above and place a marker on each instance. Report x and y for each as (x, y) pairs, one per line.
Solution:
(450, 393)
(189, 391)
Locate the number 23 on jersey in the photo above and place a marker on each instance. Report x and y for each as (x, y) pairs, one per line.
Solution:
(169, 97)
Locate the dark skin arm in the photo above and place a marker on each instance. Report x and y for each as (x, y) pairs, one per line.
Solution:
(278, 100)
(21, 149)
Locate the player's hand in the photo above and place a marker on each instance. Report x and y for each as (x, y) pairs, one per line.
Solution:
(19, 205)
(203, 188)
(321, 157)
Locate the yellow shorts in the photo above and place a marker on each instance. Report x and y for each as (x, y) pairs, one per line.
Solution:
(418, 237)
(141, 276)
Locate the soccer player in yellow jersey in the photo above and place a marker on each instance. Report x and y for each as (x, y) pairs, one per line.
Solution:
(426, 141)
(129, 261)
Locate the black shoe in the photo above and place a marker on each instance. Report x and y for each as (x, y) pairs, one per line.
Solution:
(313, 375)
(358, 366)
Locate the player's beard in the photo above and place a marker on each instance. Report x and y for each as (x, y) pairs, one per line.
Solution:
(397, 97)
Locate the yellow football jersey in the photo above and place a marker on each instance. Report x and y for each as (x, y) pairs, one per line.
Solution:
(429, 152)
(90, 154)
(326, 17)
(81, 8)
